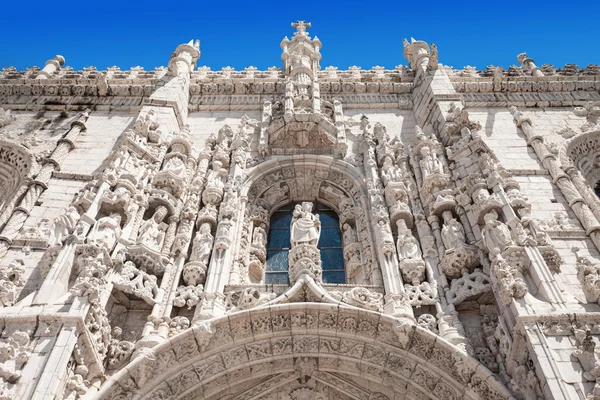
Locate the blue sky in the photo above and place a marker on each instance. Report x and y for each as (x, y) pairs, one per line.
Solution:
(240, 34)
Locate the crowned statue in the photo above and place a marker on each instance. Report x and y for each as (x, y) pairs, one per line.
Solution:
(306, 226)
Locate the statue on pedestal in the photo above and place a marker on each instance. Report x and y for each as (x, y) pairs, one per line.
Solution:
(106, 231)
(152, 231)
(453, 233)
(306, 226)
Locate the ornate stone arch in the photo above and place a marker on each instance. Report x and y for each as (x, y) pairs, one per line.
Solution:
(580, 159)
(335, 183)
(248, 355)
(15, 169)
(584, 152)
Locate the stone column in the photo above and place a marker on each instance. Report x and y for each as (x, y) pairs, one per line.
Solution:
(39, 184)
(51, 67)
(529, 65)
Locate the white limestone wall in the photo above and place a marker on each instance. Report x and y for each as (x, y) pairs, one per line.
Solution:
(508, 143)
(96, 143)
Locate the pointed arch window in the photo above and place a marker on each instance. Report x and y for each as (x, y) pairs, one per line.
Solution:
(330, 245)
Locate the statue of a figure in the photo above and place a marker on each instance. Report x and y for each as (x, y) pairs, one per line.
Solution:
(106, 231)
(496, 235)
(306, 226)
(389, 172)
(259, 236)
(430, 164)
(407, 244)
(63, 226)
(453, 233)
(176, 166)
(480, 195)
(215, 177)
(203, 243)
(224, 227)
(152, 231)
(385, 233)
(349, 234)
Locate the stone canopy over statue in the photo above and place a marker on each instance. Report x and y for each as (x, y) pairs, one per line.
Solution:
(306, 226)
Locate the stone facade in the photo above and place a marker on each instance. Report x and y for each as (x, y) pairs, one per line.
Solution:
(135, 208)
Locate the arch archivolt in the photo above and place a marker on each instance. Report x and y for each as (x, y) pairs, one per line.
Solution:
(248, 355)
(584, 152)
(15, 167)
(336, 183)
(279, 181)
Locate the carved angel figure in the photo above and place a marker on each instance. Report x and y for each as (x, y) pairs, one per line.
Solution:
(306, 226)
(453, 233)
(152, 231)
(106, 231)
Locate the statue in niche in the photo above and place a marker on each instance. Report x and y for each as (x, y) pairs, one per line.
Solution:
(481, 195)
(306, 226)
(496, 235)
(407, 244)
(349, 234)
(385, 233)
(63, 226)
(106, 231)
(389, 172)
(203, 243)
(453, 233)
(176, 166)
(224, 227)
(259, 236)
(430, 163)
(216, 178)
(152, 231)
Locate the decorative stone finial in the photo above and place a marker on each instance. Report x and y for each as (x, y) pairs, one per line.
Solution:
(51, 67)
(301, 54)
(301, 27)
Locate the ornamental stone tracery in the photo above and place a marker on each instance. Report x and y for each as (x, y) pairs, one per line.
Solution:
(139, 212)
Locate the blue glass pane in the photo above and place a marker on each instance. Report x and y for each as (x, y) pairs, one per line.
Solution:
(334, 277)
(332, 259)
(281, 219)
(329, 218)
(279, 239)
(280, 278)
(277, 260)
(330, 237)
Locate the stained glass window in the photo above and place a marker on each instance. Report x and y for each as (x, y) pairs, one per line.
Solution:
(330, 245)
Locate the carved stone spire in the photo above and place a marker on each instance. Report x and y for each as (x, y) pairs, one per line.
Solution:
(301, 54)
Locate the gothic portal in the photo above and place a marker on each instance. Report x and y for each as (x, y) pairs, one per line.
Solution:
(301, 232)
